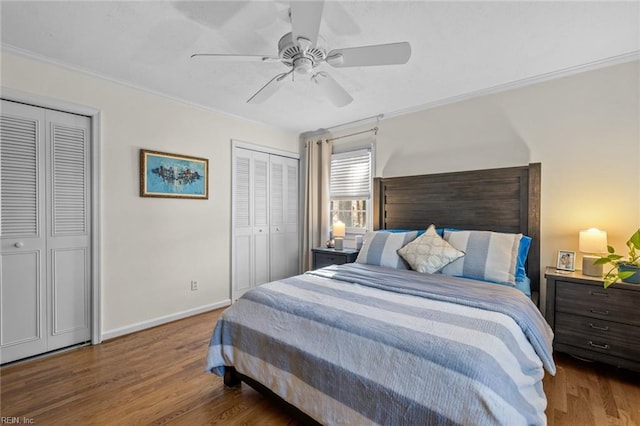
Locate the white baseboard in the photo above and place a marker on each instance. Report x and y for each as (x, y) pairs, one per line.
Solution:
(163, 320)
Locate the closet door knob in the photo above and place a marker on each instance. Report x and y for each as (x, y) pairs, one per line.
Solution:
(19, 244)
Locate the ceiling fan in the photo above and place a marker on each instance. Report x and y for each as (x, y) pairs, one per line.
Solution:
(302, 51)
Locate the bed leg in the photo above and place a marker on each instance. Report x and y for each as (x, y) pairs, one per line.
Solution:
(231, 377)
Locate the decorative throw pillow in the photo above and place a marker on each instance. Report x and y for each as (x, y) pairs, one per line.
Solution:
(380, 248)
(489, 256)
(429, 252)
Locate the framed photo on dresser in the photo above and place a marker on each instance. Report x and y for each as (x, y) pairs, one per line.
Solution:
(566, 260)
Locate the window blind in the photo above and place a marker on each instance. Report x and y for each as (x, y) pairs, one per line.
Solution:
(351, 175)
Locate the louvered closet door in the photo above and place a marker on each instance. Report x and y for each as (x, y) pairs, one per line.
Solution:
(23, 328)
(265, 219)
(242, 257)
(251, 220)
(45, 285)
(68, 243)
(284, 217)
(260, 213)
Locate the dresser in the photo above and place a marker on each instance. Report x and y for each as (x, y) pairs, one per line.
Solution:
(327, 256)
(592, 322)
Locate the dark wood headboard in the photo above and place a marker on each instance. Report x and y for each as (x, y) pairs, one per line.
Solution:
(501, 200)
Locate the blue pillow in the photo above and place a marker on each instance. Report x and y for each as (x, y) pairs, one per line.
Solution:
(524, 285)
(439, 231)
(523, 252)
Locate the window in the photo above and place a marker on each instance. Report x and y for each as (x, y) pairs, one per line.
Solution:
(351, 189)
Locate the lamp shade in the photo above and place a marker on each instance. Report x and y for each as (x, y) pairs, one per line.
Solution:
(593, 240)
(338, 229)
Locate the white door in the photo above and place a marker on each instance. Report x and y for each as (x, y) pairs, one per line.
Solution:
(23, 330)
(251, 220)
(284, 246)
(260, 212)
(68, 239)
(242, 246)
(45, 238)
(265, 244)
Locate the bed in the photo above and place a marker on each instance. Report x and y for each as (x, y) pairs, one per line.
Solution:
(377, 342)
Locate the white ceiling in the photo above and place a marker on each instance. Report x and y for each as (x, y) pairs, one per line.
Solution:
(458, 49)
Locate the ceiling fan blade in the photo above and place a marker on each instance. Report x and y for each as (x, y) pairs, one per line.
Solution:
(334, 91)
(268, 89)
(225, 57)
(379, 54)
(305, 20)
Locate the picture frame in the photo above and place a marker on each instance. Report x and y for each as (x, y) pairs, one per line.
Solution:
(566, 260)
(167, 175)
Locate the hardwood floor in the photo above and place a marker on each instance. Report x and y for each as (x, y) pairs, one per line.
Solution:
(157, 377)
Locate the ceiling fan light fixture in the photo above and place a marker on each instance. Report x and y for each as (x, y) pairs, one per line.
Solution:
(303, 65)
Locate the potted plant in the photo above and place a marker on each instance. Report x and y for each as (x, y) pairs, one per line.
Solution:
(626, 270)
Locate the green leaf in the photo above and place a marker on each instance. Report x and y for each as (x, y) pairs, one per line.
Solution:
(610, 249)
(625, 274)
(635, 239)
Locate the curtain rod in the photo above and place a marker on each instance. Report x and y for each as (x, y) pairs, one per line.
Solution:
(377, 117)
(374, 129)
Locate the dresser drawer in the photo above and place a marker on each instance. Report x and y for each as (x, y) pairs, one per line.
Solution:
(596, 302)
(320, 260)
(612, 338)
(326, 256)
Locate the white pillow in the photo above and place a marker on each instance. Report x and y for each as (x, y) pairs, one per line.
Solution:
(489, 256)
(429, 252)
(381, 247)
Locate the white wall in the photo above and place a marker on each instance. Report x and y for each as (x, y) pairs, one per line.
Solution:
(152, 248)
(584, 129)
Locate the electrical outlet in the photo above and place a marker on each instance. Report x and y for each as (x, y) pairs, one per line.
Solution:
(194, 285)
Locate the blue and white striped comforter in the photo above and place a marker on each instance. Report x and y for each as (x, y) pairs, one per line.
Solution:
(358, 344)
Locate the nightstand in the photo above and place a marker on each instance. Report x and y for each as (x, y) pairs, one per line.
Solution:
(327, 256)
(592, 322)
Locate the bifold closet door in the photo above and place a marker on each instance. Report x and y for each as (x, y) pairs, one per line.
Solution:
(45, 230)
(251, 220)
(265, 219)
(68, 230)
(284, 245)
(23, 329)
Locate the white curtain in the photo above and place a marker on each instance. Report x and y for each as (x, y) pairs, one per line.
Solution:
(316, 226)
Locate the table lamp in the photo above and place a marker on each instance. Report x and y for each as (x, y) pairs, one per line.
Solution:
(338, 235)
(593, 242)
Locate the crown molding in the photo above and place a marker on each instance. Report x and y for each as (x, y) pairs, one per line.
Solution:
(41, 58)
(566, 72)
(591, 66)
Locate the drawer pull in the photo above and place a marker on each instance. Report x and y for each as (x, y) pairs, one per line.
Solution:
(597, 327)
(595, 345)
(598, 293)
(593, 311)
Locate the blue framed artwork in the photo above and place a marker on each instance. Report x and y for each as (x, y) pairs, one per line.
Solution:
(173, 175)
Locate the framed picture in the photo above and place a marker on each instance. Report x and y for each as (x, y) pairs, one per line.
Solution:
(566, 260)
(173, 175)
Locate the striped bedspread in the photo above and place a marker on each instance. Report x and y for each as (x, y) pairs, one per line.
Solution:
(357, 344)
